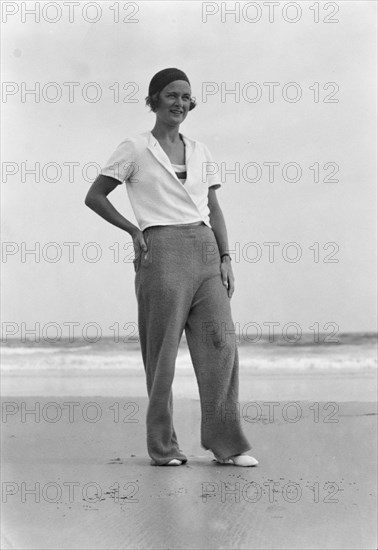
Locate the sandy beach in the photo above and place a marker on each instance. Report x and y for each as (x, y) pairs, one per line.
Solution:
(76, 474)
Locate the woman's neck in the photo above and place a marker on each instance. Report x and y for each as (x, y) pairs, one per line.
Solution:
(168, 134)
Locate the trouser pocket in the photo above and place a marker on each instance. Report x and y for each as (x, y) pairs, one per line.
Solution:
(136, 262)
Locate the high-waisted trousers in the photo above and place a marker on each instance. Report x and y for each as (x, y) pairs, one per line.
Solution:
(179, 287)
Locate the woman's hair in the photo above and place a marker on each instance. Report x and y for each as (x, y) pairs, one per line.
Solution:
(153, 102)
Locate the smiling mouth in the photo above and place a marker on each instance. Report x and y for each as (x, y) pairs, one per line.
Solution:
(177, 112)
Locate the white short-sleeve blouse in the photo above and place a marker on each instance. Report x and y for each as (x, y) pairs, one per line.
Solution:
(156, 194)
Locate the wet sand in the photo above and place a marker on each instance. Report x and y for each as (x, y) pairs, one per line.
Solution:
(85, 459)
(277, 384)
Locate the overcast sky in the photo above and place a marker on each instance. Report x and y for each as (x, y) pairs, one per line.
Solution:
(332, 71)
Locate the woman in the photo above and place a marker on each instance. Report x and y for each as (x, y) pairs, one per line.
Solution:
(183, 274)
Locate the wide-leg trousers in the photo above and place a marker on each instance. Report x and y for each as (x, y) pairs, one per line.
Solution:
(178, 287)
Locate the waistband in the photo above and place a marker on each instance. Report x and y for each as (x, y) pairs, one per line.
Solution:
(179, 225)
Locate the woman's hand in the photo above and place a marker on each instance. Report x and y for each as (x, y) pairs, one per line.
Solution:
(138, 242)
(227, 276)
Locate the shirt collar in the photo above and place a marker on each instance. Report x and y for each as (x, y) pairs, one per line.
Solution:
(189, 143)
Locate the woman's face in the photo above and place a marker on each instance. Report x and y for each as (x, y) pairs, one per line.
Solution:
(174, 102)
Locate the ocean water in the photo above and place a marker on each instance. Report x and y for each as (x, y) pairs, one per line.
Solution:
(349, 352)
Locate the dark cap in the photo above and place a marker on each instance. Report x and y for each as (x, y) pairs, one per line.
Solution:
(165, 77)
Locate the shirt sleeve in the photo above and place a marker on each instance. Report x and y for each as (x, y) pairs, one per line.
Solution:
(121, 165)
(210, 170)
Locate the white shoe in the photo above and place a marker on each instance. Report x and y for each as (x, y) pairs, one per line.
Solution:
(174, 462)
(239, 460)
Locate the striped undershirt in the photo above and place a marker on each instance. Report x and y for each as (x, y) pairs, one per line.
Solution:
(180, 171)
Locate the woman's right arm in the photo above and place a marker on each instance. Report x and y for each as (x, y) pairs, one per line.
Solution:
(97, 201)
